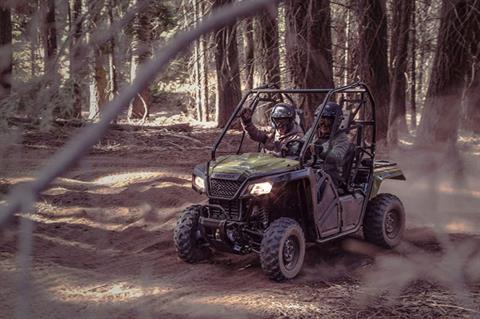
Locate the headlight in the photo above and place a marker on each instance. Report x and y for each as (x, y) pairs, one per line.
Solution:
(199, 183)
(261, 188)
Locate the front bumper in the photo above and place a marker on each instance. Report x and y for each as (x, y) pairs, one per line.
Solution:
(224, 234)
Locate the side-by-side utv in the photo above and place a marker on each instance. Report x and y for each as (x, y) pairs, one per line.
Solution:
(274, 205)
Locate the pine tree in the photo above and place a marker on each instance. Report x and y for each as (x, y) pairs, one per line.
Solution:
(5, 50)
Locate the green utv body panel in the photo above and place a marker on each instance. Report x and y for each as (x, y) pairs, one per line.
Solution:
(252, 164)
(382, 173)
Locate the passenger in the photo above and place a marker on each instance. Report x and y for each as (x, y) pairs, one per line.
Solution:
(332, 145)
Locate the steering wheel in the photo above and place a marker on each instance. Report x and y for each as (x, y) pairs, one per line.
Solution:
(292, 148)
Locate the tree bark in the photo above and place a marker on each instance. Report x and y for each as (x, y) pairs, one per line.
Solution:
(472, 102)
(5, 51)
(457, 34)
(372, 58)
(141, 104)
(101, 52)
(413, 68)
(249, 52)
(268, 60)
(309, 49)
(196, 62)
(75, 56)
(200, 63)
(472, 92)
(203, 61)
(114, 62)
(402, 10)
(228, 73)
(50, 37)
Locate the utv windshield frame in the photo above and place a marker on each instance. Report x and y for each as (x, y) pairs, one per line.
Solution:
(357, 87)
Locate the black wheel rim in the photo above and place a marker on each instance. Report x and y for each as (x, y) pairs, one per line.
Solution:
(392, 224)
(291, 252)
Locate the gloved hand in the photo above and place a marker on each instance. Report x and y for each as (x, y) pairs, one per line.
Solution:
(318, 149)
(246, 115)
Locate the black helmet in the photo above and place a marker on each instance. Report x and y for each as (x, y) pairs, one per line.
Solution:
(283, 111)
(333, 111)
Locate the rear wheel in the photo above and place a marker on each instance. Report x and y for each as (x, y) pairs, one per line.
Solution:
(187, 236)
(282, 249)
(384, 221)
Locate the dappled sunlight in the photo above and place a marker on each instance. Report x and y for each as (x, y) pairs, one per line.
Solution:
(170, 184)
(447, 188)
(461, 227)
(406, 142)
(72, 244)
(107, 292)
(17, 180)
(112, 219)
(265, 302)
(56, 191)
(471, 138)
(126, 179)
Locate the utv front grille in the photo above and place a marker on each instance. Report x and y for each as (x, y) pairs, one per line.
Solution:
(222, 188)
(219, 208)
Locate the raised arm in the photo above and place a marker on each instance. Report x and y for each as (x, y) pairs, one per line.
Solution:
(252, 131)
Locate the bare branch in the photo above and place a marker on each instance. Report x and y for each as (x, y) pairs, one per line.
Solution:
(78, 146)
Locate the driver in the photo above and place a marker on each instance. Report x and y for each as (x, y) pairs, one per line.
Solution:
(332, 145)
(284, 128)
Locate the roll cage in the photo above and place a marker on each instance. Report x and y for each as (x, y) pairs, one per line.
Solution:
(266, 93)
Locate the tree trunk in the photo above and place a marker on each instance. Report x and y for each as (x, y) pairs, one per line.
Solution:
(309, 49)
(347, 55)
(249, 52)
(413, 69)
(75, 56)
(101, 75)
(196, 63)
(472, 103)
(228, 73)
(50, 37)
(269, 56)
(201, 66)
(5, 51)
(372, 58)
(472, 92)
(114, 62)
(402, 10)
(141, 104)
(101, 52)
(457, 34)
(203, 61)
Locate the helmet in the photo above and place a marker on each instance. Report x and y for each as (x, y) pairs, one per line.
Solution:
(332, 109)
(283, 111)
(333, 112)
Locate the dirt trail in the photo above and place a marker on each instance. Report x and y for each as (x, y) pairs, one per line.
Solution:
(102, 247)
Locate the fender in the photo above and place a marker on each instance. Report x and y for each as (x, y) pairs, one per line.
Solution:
(382, 173)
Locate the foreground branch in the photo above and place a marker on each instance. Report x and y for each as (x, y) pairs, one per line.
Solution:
(78, 146)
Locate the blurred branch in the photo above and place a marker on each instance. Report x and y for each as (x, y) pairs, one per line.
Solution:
(78, 147)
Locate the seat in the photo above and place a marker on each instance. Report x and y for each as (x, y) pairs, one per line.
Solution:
(350, 156)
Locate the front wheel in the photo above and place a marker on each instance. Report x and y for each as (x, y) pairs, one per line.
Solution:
(187, 236)
(384, 221)
(282, 249)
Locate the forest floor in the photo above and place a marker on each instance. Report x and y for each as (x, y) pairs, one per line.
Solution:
(102, 241)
